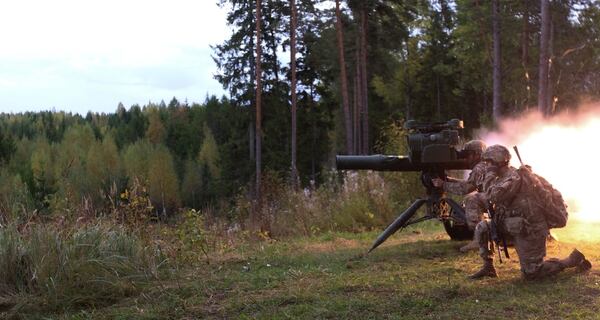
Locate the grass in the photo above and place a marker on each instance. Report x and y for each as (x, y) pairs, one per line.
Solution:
(50, 269)
(416, 274)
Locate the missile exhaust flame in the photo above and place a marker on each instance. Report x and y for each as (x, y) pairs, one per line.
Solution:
(564, 150)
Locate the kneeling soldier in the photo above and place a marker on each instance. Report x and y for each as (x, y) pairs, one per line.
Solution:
(521, 218)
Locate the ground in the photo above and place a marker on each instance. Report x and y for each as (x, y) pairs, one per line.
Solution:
(417, 274)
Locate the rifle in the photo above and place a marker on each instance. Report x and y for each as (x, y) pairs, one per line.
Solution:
(496, 236)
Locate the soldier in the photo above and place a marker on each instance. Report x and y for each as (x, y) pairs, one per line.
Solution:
(520, 218)
(472, 187)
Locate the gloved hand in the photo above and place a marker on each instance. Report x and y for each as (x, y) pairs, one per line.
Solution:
(437, 182)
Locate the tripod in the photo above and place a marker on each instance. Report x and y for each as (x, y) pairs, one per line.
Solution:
(438, 206)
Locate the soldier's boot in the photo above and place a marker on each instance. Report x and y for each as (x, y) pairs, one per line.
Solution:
(585, 265)
(488, 270)
(553, 266)
(573, 260)
(473, 245)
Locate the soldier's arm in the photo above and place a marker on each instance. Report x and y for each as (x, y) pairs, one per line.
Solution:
(469, 185)
(477, 176)
(459, 187)
(504, 189)
(488, 180)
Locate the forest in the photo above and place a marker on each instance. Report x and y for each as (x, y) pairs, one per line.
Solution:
(360, 69)
(305, 80)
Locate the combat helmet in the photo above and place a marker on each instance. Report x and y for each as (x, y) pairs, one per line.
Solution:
(476, 146)
(497, 154)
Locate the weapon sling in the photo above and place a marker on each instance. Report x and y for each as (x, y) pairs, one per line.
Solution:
(495, 235)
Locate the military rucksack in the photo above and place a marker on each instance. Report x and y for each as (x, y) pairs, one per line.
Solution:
(546, 196)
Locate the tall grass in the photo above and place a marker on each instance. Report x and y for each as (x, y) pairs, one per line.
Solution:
(49, 268)
(355, 202)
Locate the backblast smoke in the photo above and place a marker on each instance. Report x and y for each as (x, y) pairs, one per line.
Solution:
(565, 149)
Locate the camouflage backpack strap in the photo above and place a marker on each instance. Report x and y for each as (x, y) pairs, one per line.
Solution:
(529, 181)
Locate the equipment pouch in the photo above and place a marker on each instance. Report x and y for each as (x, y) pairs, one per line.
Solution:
(514, 225)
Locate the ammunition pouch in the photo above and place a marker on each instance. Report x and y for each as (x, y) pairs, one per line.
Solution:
(514, 225)
(500, 215)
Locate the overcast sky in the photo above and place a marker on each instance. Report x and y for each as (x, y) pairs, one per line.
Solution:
(80, 55)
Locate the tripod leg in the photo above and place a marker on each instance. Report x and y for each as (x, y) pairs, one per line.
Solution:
(399, 223)
(458, 211)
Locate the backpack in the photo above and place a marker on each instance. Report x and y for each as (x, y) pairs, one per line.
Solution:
(546, 197)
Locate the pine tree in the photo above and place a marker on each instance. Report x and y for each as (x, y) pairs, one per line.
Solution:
(258, 128)
(497, 61)
(544, 55)
(343, 79)
(294, 99)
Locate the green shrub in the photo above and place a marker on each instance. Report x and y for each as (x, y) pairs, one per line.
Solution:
(192, 236)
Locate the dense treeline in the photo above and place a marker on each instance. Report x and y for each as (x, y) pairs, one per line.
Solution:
(181, 155)
(359, 69)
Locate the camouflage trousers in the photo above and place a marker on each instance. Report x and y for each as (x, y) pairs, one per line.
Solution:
(475, 206)
(531, 249)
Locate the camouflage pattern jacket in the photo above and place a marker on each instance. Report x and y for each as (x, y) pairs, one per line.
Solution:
(504, 190)
(475, 181)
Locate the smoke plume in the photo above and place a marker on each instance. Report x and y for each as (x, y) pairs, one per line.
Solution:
(563, 149)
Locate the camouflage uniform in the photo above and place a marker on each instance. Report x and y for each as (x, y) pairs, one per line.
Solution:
(522, 220)
(474, 202)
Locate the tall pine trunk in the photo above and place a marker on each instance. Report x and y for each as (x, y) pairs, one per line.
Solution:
(525, 52)
(550, 99)
(258, 102)
(363, 74)
(293, 23)
(358, 101)
(343, 78)
(355, 114)
(407, 86)
(251, 124)
(438, 94)
(544, 61)
(497, 73)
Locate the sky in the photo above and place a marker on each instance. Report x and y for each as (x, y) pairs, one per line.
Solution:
(82, 55)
